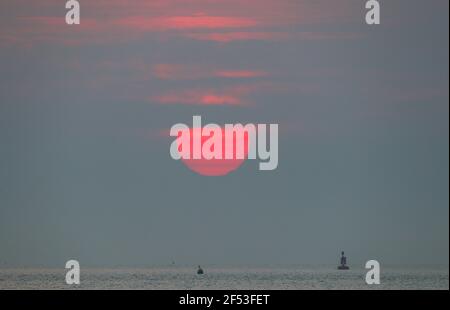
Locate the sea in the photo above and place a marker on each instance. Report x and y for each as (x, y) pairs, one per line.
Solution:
(233, 278)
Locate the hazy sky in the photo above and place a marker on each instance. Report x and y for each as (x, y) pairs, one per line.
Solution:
(85, 169)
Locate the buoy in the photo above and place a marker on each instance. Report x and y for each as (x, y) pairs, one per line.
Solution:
(343, 265)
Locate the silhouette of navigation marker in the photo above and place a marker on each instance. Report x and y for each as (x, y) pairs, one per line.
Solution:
(343, 265)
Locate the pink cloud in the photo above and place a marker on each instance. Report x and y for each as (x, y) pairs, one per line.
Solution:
(179, 72)
(240, 74)
(227, 37)
(213, 99)
(236, 95)
(192, 72)
(185, 22)
(199, 97)
(206, 20)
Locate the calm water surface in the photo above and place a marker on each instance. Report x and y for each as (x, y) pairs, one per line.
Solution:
(291, 278)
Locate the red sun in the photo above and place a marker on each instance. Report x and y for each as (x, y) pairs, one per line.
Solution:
(217, 167)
